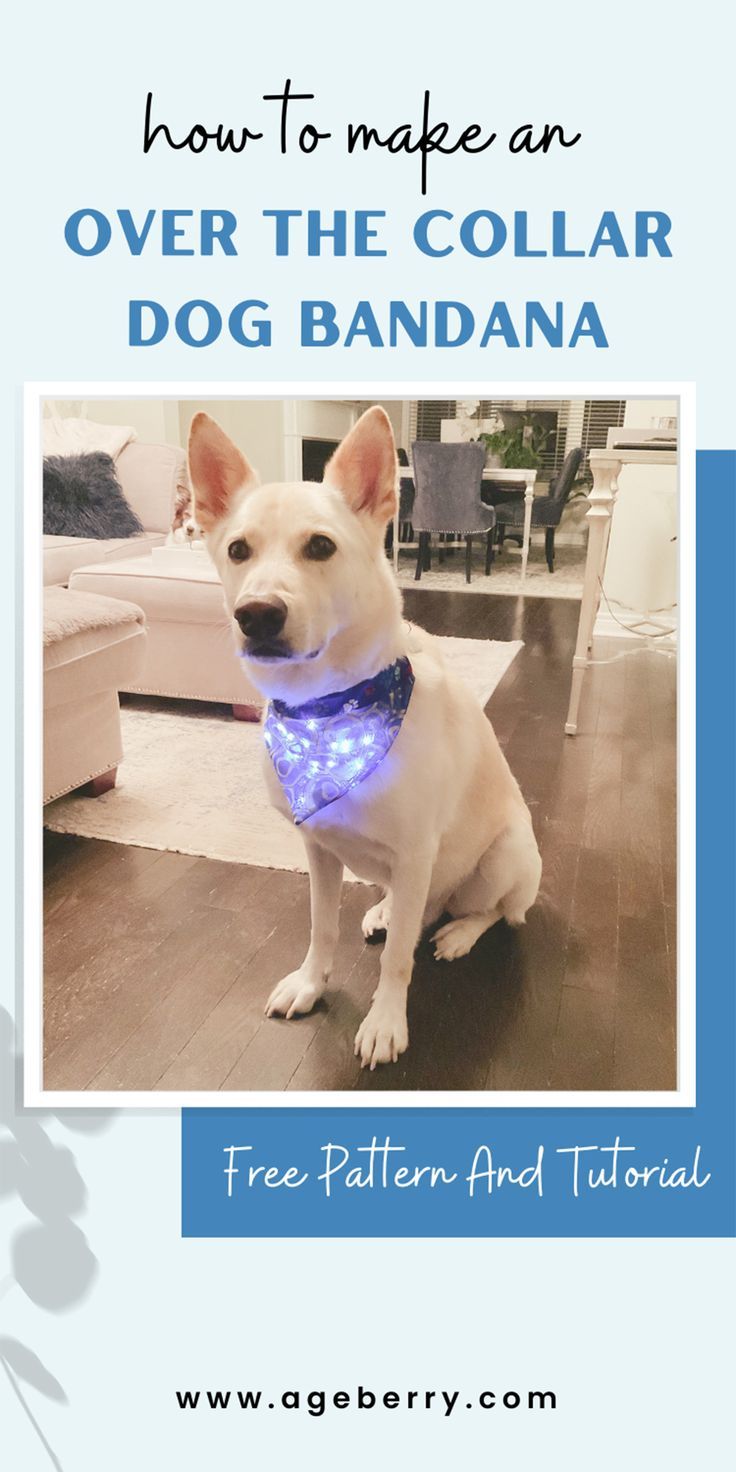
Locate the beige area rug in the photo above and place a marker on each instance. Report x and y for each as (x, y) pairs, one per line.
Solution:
(191, 777)
(565, 582)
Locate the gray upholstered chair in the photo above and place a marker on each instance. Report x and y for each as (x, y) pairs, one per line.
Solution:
(406, 505)
(546, 510)
(406, 490)
(447, 499)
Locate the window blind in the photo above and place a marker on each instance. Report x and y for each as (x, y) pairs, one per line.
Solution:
(426, 418)
(569, 422)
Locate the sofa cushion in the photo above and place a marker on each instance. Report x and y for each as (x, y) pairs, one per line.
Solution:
(150, 476)
(82, 497)
(168, 591)
(62, 554)
(66, 435)
(90, 643)
(93, 647)
(84, 622)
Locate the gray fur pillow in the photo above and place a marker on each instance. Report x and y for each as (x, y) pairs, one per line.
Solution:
(82, 497)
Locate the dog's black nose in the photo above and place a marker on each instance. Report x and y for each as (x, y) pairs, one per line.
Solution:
(262, 618)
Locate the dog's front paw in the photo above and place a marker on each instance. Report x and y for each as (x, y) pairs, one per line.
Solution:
(296, 993)
(375, 921)
(383, 1035)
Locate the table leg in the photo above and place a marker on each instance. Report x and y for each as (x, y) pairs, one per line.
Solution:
(396, 535)
(528, 498)
(600, 510)
(601, 570)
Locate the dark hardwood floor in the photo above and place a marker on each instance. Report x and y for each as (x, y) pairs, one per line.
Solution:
(157, 965)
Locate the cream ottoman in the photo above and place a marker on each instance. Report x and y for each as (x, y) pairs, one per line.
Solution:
(92, 647)
(190, 653)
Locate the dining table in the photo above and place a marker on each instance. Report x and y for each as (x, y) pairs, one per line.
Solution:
(517, 482)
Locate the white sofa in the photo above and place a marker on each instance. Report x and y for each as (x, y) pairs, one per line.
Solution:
(149, 476)
(92, 647)
(190, 651)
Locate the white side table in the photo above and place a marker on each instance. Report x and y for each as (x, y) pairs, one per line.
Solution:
(605, 466)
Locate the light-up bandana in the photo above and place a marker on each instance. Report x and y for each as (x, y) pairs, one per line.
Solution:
(322, 749)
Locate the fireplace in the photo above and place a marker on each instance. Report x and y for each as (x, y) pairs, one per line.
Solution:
(315, 454)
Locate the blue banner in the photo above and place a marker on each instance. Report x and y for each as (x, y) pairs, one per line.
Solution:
(429, 1172)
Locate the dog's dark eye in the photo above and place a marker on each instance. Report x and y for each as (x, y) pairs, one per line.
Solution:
(239, 551)
(319, 548)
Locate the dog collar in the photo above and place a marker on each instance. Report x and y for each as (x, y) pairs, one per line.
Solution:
(324, 748)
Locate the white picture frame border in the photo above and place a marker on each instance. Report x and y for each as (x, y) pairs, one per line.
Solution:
(34, 1094)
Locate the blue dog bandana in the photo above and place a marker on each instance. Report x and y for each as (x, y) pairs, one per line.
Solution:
(322, 749)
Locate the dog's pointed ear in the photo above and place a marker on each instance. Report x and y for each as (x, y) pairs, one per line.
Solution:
(217, 471)
(364, 468)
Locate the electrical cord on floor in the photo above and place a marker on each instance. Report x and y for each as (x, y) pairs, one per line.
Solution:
(648, 647)
(627, 653)
(631, 628)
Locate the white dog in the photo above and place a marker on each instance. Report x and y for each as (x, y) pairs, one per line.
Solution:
(438, 822)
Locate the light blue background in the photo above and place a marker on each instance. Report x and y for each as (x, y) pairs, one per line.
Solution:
(627, 1332)
(648, 85)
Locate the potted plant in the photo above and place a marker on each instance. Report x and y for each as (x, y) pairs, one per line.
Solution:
(517, 448)
(469, 420)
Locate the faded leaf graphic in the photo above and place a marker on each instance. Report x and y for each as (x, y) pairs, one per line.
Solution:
(51, 1260)
(27, 1366)
(53, 1264)
(10, 1160)
(51, 1186)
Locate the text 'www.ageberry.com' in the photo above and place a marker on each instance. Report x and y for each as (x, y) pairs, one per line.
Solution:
(319, 1402)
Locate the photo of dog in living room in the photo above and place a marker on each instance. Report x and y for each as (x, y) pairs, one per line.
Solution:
(360, 747)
